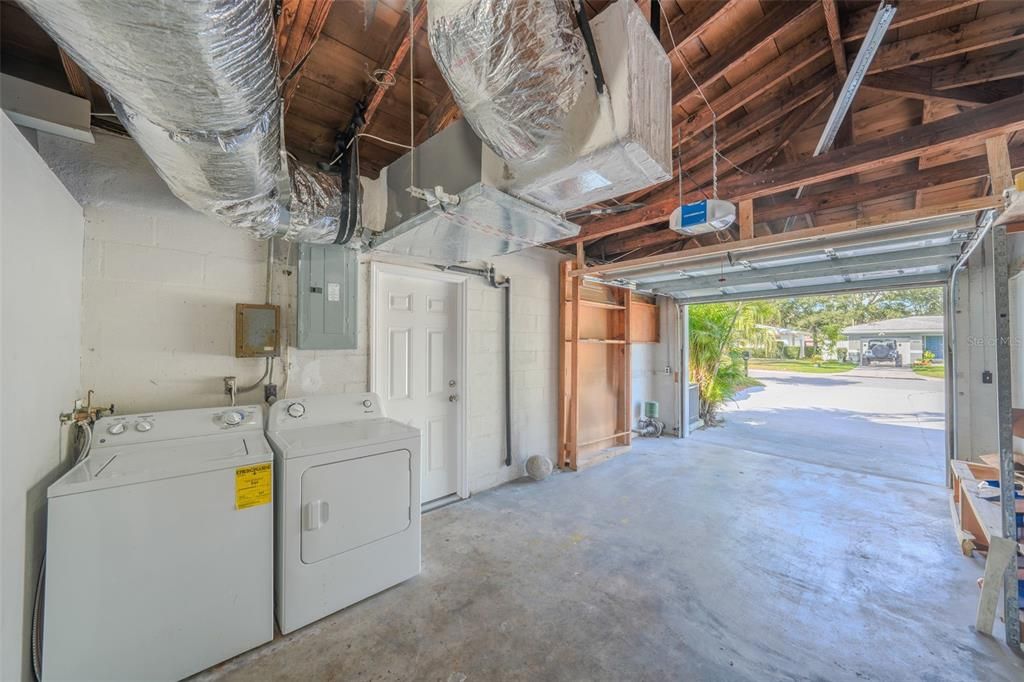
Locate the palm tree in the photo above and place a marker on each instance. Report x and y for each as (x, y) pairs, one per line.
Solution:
(715, 362)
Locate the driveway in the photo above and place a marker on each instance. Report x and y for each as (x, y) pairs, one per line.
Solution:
(876, 420)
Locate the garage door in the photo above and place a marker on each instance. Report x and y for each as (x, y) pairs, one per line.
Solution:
(898, 255)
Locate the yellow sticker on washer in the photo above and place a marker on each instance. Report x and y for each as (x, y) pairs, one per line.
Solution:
(253, 485)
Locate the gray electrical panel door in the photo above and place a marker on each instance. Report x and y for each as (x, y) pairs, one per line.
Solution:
(327, 298)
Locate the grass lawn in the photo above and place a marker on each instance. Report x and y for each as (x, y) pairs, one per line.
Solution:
(935, 371)
(801, 366)
(748, 382)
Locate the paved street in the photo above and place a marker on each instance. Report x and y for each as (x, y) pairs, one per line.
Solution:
(879, 420)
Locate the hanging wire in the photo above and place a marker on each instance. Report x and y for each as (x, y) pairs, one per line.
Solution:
(381, 77)
(714, 116)
(412, 96)
(714, 154)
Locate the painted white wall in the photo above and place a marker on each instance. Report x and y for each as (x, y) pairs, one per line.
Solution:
(975, 349)
(41, 228)
(160, 285)
(648, 363)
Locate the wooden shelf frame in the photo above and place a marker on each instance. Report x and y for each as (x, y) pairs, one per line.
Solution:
(595, 406)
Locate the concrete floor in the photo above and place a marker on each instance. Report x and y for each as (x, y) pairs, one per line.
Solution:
(695, 560)
(878, 419)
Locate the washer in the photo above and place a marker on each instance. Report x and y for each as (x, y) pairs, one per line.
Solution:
(348, 503)
(159, 547)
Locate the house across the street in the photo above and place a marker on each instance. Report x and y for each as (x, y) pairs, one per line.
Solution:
(913, 336)
(790, 337)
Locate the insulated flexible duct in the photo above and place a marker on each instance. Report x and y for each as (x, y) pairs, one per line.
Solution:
(195, 83)
(516, 69)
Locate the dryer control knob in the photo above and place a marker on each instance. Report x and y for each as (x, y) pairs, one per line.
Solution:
(233, 418)
(143, 426)
(116, 429)
(296, 410)
(367, 404)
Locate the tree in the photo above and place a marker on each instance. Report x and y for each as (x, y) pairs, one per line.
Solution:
(716, 364)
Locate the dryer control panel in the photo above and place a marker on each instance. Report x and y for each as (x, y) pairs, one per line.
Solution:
(289, 413)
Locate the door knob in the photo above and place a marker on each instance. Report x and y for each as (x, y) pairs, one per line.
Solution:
(453, 398)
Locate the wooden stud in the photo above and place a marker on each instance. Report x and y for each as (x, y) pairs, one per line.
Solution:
(625, 377)
(746, 219)
(572, 446)
(835, 37)
(1000, 170)
(78, 81)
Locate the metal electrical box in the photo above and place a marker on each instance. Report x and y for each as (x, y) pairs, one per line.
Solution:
(328, 300)
(257, 330)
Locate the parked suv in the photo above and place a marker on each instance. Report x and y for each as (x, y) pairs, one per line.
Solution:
(881, 350)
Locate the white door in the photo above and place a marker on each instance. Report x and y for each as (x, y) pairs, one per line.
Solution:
(416, 369)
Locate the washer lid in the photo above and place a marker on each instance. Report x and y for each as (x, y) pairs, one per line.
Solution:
(117, 466)
(314, 440)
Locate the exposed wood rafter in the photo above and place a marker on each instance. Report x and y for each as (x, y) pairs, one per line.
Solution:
(760, 33)
(910, 12)
(78, 81)
(975, 70)
(990, 31)
(397, 50)
(971, 127)
(916, 83)
(777, 70)
(955, 208)
(769, 208)
(691, 24)
(835, 36)
(298, 29)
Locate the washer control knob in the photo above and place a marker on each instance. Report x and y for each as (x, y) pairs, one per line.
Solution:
(296, 410)
(367, 404)
(143, 426)
(116, 429)
(233, 418)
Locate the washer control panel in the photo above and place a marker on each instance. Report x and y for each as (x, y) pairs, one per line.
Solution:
(142, 428)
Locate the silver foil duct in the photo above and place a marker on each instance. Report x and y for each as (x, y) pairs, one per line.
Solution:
(195, 83)
(516, 68)
(316, 206)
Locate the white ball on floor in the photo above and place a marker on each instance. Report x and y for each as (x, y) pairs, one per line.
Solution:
(538, 467)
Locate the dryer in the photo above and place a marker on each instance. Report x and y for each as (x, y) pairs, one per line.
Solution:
(347, 511)
(159, 547)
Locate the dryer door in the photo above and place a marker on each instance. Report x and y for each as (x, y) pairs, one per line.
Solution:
(354, 502)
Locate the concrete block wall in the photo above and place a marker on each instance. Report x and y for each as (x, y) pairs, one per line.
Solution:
(534, 318)
(160, 283)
